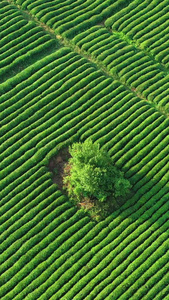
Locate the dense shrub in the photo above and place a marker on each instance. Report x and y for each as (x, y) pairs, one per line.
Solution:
(91, 173)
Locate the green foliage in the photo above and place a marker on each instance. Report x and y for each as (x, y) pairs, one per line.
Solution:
(93, 174)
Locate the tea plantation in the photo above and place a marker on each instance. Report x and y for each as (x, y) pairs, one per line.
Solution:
(72, 70)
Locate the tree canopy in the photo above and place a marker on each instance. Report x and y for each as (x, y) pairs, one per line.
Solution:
(92, 173)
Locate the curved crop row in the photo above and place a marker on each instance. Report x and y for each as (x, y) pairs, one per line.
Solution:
(123, 61)
(31, 209)
(33, 256)
(20, 40)
(30, 143)
(32, 231)
(32, 78)
(133, 12)
(27, 97)
(69, 17)
(15, 203)
(138, 21)
(102, 262)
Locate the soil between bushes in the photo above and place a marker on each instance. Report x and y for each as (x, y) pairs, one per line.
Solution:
(57, 165)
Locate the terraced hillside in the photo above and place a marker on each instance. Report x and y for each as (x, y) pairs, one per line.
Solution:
(72, 70)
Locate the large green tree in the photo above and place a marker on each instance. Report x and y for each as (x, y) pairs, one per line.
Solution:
(93, 174)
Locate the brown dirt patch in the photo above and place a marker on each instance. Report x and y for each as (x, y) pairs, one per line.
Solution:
(57, 165)
(86, 203)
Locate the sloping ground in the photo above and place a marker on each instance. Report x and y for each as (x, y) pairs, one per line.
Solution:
(105, 80)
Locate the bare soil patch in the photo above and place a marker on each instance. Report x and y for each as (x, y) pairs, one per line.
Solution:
(57, 165)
